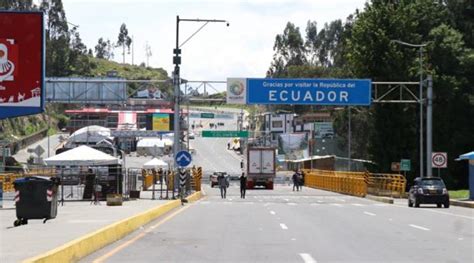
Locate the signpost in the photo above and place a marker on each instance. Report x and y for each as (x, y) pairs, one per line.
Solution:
(439, 160)
(405, 165)
(183, 158)
(343, 92)
(21, 63)
(207, 115)
(225, 134)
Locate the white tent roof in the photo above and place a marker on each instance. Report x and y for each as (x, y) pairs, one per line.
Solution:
(82, 156)
(155, 163)
(91, 134)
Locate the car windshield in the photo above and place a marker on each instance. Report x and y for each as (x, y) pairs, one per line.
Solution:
(434, 182)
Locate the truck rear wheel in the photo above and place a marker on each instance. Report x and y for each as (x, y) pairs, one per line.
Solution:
(270, 186)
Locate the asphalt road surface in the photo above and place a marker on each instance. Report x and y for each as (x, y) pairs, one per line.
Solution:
(212, 153)
(307, 226)
(23, 154)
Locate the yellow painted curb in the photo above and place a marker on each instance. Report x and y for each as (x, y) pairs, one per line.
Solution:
(85, 245)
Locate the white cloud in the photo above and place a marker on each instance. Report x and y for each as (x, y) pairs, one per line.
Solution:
(244, 49)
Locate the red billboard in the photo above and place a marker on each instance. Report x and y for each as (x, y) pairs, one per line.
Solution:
(21, 63)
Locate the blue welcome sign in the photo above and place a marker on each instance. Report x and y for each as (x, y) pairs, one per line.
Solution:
(344, 92)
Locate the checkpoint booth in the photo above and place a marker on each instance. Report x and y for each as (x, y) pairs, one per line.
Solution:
(470, 158)
(88, 167)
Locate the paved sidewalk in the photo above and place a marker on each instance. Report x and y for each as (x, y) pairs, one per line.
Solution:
(74, 220)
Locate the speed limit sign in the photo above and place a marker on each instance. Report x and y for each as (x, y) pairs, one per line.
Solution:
(439, 160)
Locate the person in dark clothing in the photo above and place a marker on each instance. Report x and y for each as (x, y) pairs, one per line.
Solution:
(301, 179)
(296, 182)
(243, 185)
(223, 184)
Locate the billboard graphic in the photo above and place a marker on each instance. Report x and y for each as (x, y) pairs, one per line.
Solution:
(161, 122)
(21, 63)
(236, 91)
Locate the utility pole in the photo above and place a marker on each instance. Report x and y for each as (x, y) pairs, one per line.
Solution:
(429, 126)
(148, 54)
(133, 50)
(420, 98)
(177, 80)
(349, 135)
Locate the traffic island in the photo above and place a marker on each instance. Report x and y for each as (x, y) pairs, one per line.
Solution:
(463, 203)
(85, 245)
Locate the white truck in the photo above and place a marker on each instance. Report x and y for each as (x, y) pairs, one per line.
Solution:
(260, 167)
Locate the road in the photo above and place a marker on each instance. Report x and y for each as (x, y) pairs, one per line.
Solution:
(307, 226)
(22, 155)
(212, 153)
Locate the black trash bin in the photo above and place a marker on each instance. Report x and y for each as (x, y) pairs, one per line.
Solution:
(35, 198)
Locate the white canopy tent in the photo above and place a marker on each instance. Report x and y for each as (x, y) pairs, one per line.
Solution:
(82, 156)
(90, 134)
(155, 164)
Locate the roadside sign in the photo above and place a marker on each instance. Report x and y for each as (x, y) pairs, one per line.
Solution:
(405, 165)
(39, 150)
(439, 159)
(226, 134)
(183, 158)
(395, 167)
(207, 115)
(22, 53)
(127, 134)
(343, 92)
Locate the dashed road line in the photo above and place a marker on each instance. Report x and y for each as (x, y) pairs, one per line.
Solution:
(291, 203)
(419, 227)
(338, 205)
(307, 258)
(358, 205)
(369, 213)
(272, 212)
(283, 226)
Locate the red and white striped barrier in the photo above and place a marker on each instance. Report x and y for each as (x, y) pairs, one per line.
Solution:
(17, 196)
(49, 195)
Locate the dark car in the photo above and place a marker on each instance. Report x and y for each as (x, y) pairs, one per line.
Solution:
(213, 178)
(428, 191)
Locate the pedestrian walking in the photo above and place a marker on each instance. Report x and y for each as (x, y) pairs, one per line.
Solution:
(295, 181)
(301, 179)
(223, 184)
(243, 185)
(228, 146)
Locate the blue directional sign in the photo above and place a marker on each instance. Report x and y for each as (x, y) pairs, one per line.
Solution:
(344, 92)
(183, 158)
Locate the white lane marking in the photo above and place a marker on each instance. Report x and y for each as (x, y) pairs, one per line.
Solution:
(460, 238)
(358, 205)
(283, 226)
(340, 199)
(320, 201)
(314, 204)
(307, 258)
(293, 239)
(390, 219)
(272, 212)
(338, 205)
(369, 213)
(230, 199)
(291, 203)
(380, 204)
(286, 199)
(439, 212)
(419, 227)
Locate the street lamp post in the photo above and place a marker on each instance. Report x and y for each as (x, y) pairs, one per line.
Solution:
(420, 99)
(176, 76)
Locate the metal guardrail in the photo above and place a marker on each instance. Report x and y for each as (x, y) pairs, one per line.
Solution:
(351, 183)
(356, 183)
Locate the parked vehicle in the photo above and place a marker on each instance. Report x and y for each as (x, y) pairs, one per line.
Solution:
(428, 191)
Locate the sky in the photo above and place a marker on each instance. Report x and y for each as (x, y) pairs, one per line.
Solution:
(244, 49)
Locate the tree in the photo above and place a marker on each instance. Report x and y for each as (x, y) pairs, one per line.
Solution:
(124, 40)
(289, 51)
(103, 49)
(371, 54)
(16, 4)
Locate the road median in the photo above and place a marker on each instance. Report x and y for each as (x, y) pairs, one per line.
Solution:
(87, 244)
(383, 199)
